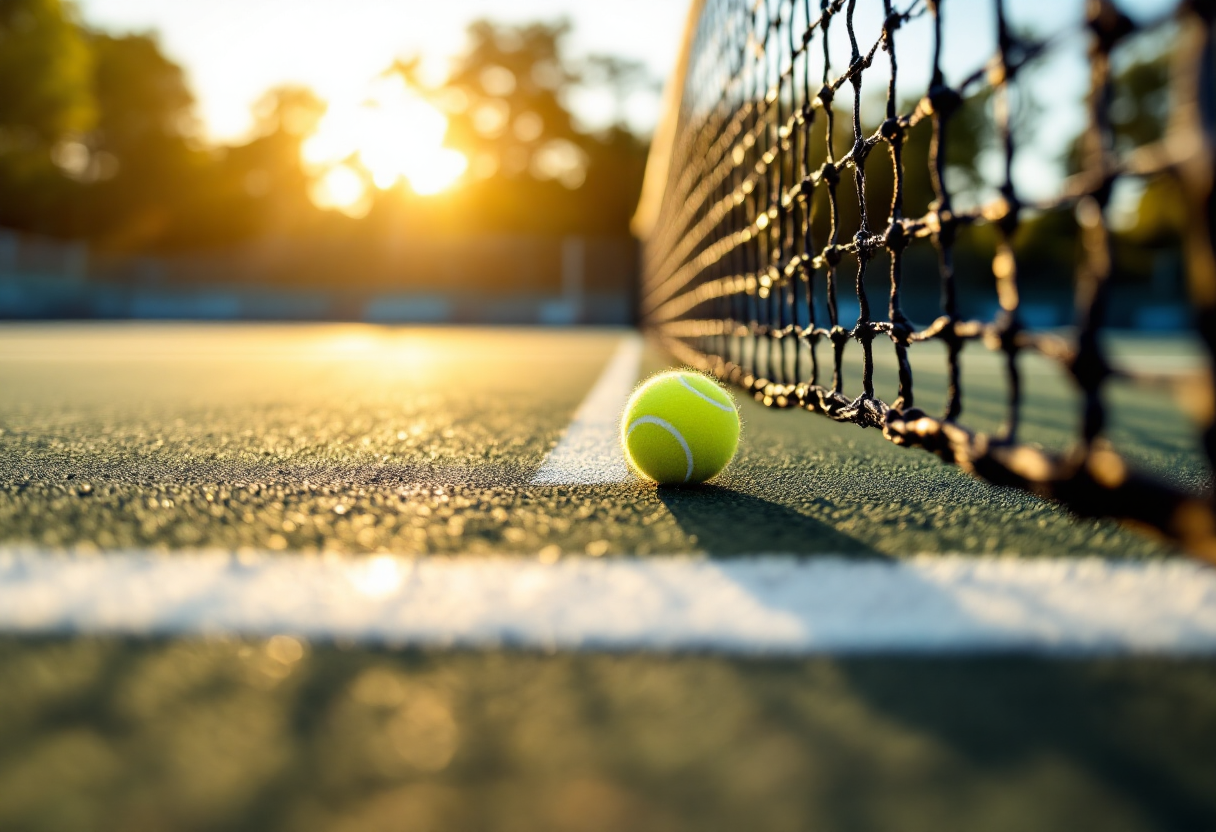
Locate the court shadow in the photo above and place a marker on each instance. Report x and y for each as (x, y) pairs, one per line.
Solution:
(1130, 724)
(1126, 725)
(728, 522)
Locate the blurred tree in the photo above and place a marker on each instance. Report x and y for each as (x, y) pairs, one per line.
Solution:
(267, 171)
(532, 167)
(44, 70)
(970, 134)
(149, 178)
(511, 78)
(1139, 113)
(143, 96)
(45, 104)
(621, 78)
(98, 139)
(1141, 105)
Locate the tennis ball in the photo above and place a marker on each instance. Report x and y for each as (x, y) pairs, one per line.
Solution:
(680, 427)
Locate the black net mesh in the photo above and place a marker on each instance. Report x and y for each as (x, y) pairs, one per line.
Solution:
(761, 256)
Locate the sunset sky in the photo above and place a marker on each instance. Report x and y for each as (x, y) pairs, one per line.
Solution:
(234, 50)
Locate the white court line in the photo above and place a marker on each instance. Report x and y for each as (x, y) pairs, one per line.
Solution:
(590, 451)
(756, 606)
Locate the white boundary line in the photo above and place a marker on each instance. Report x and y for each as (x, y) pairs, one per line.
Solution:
(590, 451)
(756, 606)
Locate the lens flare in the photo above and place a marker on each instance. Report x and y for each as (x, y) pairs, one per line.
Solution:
(342, 189)
(393, 135)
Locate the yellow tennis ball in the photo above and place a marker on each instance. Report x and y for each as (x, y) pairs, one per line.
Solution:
(680, 427)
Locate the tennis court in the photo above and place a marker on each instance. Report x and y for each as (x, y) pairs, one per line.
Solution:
(206, 699)
(352, 577)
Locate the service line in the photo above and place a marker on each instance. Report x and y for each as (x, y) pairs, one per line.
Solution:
(773, 605)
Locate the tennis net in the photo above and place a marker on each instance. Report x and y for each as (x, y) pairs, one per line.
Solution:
(779, 186)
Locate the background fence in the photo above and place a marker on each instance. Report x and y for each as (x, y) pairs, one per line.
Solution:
(486, 279)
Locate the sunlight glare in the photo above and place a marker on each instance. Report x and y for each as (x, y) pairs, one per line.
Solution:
(393, 134)
(446, 167)
(379, 576)
(342, 189)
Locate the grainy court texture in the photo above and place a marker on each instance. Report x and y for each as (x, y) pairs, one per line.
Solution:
(354, 578)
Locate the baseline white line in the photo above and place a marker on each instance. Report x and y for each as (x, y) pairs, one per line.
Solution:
(764, 605)
(590, 451)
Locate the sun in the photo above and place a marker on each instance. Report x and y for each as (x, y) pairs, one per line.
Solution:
(392, 137)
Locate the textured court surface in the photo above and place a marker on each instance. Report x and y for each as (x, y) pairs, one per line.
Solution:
(355, 439)
(290, 441)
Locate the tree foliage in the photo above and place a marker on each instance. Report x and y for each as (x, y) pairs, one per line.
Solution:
(1139, 113)
(98, 139)
(533, 167)
(45, 101)
(45, 72)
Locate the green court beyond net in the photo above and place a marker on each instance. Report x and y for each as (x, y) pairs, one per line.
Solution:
(743, 256)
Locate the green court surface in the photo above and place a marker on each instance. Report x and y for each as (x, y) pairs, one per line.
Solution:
(351, 440)
(228, 735)
(357, 439)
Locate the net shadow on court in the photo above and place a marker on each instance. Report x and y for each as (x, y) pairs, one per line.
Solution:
(864, 743)
(1004, 713)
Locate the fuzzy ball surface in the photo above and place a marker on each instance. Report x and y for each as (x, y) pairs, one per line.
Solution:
(680, 427)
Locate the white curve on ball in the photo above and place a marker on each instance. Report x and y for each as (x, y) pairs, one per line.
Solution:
(670, 428)
(709, 399)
